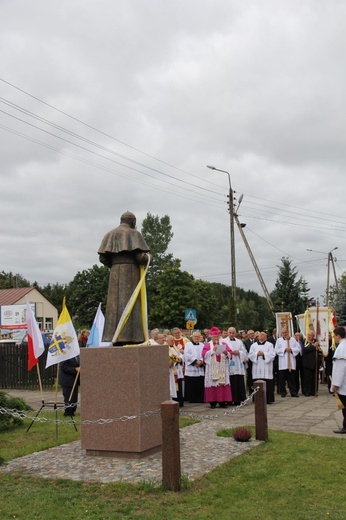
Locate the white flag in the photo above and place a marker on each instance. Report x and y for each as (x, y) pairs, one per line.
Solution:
(64, 344)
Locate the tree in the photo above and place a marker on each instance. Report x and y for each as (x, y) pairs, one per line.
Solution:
(206, 304)
(87, 289)
(55, 293)
(338, 300)
(174, 293)
(12, 281)
(290, 294)
(157, 232)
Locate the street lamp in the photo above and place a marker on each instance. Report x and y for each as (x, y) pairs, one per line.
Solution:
(231, 217)
(330, 261)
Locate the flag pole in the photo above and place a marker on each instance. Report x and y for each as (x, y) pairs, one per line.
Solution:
(40, 382)
(316, 352)
(74, 386)
(56, 383)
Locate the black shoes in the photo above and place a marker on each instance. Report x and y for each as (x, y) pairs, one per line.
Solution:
(341, 430)
(294, 395)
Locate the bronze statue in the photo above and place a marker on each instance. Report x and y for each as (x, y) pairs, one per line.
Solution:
(123, 250)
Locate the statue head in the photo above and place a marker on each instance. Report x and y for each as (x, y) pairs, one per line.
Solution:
(128, 218)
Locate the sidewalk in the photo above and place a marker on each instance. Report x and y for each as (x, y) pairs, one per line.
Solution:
(310, 415)
(307, 415)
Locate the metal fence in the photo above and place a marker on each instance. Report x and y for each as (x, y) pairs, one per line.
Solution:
(14, 373)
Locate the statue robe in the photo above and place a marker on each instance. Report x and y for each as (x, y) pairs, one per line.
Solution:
(123, 250)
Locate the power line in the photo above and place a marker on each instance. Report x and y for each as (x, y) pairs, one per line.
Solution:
(97, 130)
(104, 168)
(103, 148)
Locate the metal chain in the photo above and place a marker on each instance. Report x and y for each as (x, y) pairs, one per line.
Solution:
(25, 414)
(220, 415)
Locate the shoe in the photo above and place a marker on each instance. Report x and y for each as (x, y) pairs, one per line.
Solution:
(283, 395)
(294, 395)
(212, 405)
(223, 405)
(341, 430)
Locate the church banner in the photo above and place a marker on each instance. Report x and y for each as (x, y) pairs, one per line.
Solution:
(318, 320)
(284, 321)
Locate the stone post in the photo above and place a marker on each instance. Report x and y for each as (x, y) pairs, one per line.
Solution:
(261, 420)
(171, 471)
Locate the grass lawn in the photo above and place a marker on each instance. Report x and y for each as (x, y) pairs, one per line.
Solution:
(292, 476)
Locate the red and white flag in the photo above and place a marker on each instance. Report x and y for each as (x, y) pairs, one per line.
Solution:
(35, 340)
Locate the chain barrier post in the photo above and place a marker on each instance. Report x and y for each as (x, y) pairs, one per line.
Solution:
(261, 419)
(171, 469)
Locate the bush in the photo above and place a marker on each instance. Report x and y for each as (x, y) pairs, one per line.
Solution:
(7, 421)
(242, 434)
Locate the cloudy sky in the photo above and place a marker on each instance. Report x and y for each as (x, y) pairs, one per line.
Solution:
(116, 105)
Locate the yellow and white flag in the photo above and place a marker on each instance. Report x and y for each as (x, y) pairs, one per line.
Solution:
(64, 344)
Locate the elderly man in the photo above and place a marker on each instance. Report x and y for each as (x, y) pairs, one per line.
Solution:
(158, 339)
(194, 369)
(236, 366)
(287, 349)
(262, 355)
(339, 372)
(310, 362)
(216, 383)
(176, 368)
(179, 340)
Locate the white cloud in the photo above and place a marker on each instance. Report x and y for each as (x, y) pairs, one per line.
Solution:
(256, 89)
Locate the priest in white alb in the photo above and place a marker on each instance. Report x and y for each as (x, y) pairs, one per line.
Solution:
(262, 355)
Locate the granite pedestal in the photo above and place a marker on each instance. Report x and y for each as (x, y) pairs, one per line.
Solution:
(118, 382)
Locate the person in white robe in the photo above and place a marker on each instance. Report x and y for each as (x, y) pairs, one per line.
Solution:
(237, 366)
(339, 372)
(176, 368)
(216, 356)
(262, 355)
(194, 369)
(287, 349)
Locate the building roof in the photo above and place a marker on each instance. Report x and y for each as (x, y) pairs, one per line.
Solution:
(11, 296)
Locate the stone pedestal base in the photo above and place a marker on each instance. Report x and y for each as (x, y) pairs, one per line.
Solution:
(118, 382)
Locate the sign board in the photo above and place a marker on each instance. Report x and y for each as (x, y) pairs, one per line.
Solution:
(191, 315)
(190, 325)
(14, 316)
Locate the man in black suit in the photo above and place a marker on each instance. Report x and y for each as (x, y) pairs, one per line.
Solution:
(310, 360)
(67, 376)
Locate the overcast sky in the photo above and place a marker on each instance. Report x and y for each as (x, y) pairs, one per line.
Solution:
(115, 105)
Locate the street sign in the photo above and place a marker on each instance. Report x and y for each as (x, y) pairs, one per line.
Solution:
(191, 315)
(190, 325)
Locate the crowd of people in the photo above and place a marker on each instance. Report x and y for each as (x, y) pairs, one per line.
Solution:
(221, 367)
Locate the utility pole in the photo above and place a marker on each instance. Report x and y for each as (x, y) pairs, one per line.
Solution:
(330, 259)
(231, 222)
(254, 263)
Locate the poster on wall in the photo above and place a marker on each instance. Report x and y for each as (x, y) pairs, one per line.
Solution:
(14, 316)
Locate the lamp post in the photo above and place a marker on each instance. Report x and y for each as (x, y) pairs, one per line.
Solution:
(330, 261)
(231, 217)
